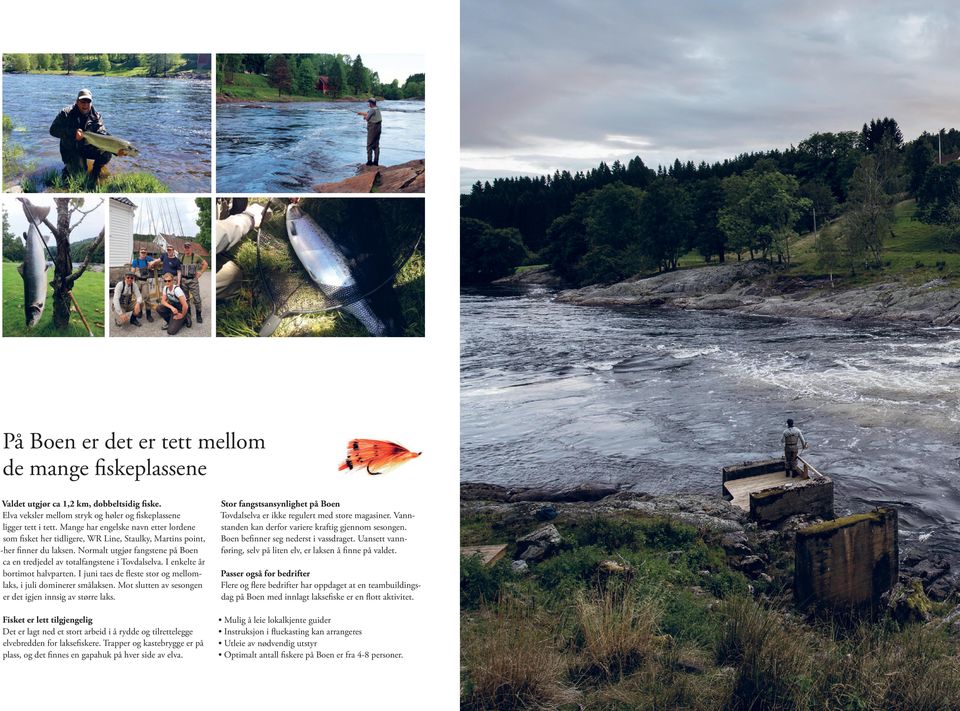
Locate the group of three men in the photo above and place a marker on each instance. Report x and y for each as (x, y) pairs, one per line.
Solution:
(181, 277)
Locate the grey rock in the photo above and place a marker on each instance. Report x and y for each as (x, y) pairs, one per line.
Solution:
(520, 567)
(538, 545)
(752, 564)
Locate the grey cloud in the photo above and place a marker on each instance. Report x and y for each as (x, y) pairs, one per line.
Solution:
(710, 79)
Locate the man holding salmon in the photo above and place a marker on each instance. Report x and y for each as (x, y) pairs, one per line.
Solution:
(70, 126)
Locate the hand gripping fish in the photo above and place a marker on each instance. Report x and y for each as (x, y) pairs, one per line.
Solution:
(110, 144)
(34, 267)
(376, 455)
(328, 268)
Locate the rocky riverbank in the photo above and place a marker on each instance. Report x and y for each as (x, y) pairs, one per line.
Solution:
(759, 287)
(605, 598)
(764, 556)
(407, 177)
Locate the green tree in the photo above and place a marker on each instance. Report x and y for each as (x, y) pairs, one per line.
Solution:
(869, 214)
(734, 218)
(666, 222)
(12, 245)
(707, 201)
(775, 206)
(358, 79)
(599, 240)
(18, 62)
(104, 64)
(391, 91)
(414, 87)
(278, 74)
(227, 67)
(823, 205)
(337, 73)
(919, 157)
(69, 62)
(487, 253)
(306, 77)
(938, 200)
(203, 222)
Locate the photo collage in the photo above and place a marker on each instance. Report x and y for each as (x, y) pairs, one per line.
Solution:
(202, 195)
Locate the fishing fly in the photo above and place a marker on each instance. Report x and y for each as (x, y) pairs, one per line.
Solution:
(376, 456)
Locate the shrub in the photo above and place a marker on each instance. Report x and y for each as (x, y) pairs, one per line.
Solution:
(480, 583)
(607, 533)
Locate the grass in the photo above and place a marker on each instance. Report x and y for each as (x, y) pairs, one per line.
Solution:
(915, 253)
(254, 87)
(89, 292)
(13, 153)
(122, 70)
(658, 636)
(53, 181)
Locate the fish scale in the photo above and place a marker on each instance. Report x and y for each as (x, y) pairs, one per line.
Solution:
(34, 266)
(328, 268)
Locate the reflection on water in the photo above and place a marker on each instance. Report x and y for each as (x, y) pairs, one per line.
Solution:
(168, 120)
(661, 399)
(292, 146)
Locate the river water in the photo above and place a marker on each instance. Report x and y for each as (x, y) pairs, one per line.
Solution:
(283, 147)
(167, 120)
(661, 399)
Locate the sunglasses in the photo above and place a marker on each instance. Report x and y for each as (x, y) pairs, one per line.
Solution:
(86, 101)
(168, 281)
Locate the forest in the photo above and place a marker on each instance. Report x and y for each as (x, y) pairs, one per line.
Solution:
(152, 65)
(297, 74)
(615, 221)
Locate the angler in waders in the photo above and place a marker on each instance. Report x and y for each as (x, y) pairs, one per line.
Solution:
(127, 301)
(192, 267)
(374, 124)
(793, 442)
(141, 265)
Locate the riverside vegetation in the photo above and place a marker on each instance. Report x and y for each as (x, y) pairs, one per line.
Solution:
(635, 609)
(295, 77)
(852, 207)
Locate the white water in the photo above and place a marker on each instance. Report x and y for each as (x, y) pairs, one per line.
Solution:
(662, 399)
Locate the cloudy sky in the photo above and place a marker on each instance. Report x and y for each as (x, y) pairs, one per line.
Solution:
(566, 84)
(90, 227)
(166, 214)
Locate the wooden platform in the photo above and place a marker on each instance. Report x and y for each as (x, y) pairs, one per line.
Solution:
(491, 554)
(740, 489)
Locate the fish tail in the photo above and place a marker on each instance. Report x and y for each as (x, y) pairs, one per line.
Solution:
(364, 314)
(35, 213)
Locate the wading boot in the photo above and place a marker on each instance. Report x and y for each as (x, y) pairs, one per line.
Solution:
(149, 317)
(199, 316)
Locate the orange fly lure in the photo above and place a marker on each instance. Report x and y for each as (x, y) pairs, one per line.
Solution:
(376, 455)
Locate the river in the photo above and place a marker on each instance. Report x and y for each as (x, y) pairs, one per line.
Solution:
(167, 120)
(660, 400)
(282, 147)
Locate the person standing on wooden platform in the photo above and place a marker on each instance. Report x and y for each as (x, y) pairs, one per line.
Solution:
(793, 442)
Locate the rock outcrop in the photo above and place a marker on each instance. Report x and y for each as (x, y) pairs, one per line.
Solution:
(407, 177)
(757, 287)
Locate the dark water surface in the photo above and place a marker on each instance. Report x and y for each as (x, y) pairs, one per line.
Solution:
(167, 120)
(292, 146)
(662, 399)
